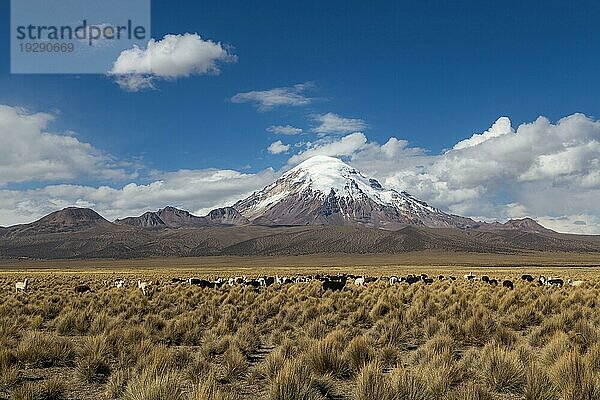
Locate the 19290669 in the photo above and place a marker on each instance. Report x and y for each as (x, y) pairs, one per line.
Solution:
(47, 47)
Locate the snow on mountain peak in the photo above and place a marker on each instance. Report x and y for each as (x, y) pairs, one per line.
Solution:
(323, 180)
(324, 174)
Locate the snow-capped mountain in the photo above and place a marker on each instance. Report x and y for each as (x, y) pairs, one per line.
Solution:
(325, 190)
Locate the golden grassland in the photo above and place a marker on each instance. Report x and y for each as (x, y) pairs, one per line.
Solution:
(457, 340)
(367, 263)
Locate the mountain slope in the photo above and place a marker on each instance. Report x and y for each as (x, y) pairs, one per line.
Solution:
(71, 219)
(326, 191)
(523, 225)
(251, 240)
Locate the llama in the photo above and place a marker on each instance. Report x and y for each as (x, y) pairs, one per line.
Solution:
(21, 286)
(360, 281)
(144, 287)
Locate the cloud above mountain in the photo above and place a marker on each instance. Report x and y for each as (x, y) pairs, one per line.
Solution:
(196, 190)
(30, 151)
(173, 57)
(266, 100)
(287, 130)
(331, 123)
(541, 169)
(278, 147)
(344, 146)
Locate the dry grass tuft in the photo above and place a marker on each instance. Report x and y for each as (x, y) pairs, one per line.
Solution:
(152, 386)
(503, 370)
(574, 379)
(93, 364)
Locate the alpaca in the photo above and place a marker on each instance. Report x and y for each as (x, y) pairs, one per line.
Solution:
(575, 283)
(22, 286)
(144, 286)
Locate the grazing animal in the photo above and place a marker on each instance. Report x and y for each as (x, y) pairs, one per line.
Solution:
(194, 281)
(144, 286)
(359, 281)
(393, 280)
(269, 280)
(470, 276)
(526, 277)
(238, 280)
(542, 280)
(485, 278)
(176, 280)
(206, 284)
(441, 277)
(575, 283)
(253, 283)
(412, 279)
(333, 285)
(555, 282)
(82, 289)
(119, 283)
(219, 282)
(22, 286)
(452, 278)
(428, 281)
(283, 280)
(508, 284)
(493, 282)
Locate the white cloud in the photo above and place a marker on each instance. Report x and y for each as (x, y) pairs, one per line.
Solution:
(550, 170)
(30, 152)
(173, 57)
(283, 96)
(331, 123)
(501, 127)
(345, 146)
(195, 190)
(278, 147)
(287, 130)
(580, 223)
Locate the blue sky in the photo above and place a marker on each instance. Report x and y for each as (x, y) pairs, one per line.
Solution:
(431, 73)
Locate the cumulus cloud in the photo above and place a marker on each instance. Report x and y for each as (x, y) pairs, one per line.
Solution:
(284, 96)
(30, 152)
(195, 190)
(287, 130)
(278, 147)
(331, 123)
(175, 56)
(501, 127)
(346, 146)
(550, 170)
